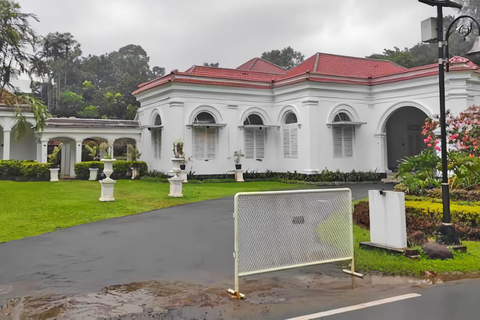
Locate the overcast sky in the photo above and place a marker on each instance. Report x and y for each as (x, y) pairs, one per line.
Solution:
(177, 34)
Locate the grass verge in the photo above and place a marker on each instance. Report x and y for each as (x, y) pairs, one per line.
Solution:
(394, 264)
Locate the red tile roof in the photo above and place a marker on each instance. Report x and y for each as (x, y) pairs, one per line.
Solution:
(320, 67)
(335, 65)
(260, 65)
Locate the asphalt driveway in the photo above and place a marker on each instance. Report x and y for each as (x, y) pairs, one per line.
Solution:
(191, 243)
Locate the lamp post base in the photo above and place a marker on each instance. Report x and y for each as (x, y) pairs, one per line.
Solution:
(447, 234)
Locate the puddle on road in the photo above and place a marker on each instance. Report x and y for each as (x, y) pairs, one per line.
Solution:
(267, 295)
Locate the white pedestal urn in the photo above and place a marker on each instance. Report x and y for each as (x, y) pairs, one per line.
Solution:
(183, 174)
(93, 173)
(239, 176)
(107, 183)
(176, 184)
(54, 174)
(176, 162)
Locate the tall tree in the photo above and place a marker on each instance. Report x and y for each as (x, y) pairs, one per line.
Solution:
(286, 58)
(55, 62)
(15, 36)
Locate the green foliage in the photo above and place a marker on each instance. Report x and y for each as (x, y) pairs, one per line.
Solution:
(10, 168)
(16, 35)
(54, 157)
(424, 214)
(418, 172)
(35, 170)
(466, 170)
(286, 58)
(121, 169)
(24, 170)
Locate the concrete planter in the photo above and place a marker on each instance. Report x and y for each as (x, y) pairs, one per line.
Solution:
(54, 174)
(93, 174)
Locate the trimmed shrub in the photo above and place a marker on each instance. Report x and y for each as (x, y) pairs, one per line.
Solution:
(10, 168)
(427, 219)
(121, 169)
(35, 170)
(24, 170)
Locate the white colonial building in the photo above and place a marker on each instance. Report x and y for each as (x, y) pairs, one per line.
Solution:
(331, 112)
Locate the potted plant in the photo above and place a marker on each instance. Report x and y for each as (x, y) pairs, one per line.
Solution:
(54, 161)
(133, 154)
(179, 156)
(92, 152)
(236, 158)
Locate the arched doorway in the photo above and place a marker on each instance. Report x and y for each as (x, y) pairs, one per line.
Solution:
(404, 134)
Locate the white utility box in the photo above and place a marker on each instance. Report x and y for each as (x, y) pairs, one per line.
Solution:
(387, 218)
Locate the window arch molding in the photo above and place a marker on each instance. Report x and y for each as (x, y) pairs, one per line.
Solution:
(208, 109)
(153, 117)
(343, 108)
(283, 113)
(257, 111)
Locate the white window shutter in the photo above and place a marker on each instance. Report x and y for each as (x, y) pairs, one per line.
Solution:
(294, 141)
(337, 142)
(198, 142)
(260, 143)
(348, 141)
(249, 143)
(212, 142)
(286, 142)
(156, 142)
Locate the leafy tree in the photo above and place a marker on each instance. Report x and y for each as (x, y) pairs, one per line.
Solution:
(286, 58)
(69, 104)
(158, 71)
(15, 35)
(89, 112)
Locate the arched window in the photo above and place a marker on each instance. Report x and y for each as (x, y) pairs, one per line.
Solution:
(290, 136)
(156, 132)
(254, 137)
(205, 137)
(343, 135)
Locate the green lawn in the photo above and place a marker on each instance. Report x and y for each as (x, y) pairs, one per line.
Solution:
(32, 208)
(378, 260)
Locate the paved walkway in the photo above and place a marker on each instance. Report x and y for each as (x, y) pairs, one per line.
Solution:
(192, 243)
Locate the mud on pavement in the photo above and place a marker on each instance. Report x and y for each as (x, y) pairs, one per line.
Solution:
(274, 296)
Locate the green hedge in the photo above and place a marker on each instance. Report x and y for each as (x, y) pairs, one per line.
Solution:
(121, 169)
(24, 170)
(324, 176)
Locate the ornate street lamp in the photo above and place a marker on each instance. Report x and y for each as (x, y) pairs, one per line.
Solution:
(447, 230)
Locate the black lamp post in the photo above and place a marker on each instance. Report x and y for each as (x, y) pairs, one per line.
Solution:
(447, 230)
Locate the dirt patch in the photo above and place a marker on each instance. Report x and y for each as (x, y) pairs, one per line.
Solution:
(268, 297)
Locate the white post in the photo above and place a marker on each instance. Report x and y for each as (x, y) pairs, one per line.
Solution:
(6, 144)
(239, 176)
(78, 151)
(44, 156)
(382, 138)
(107, 183)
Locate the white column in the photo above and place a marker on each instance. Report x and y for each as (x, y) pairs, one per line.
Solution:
(44, 156)
(382, 141)
(78, 150)
(111, 142)
(6, 144)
